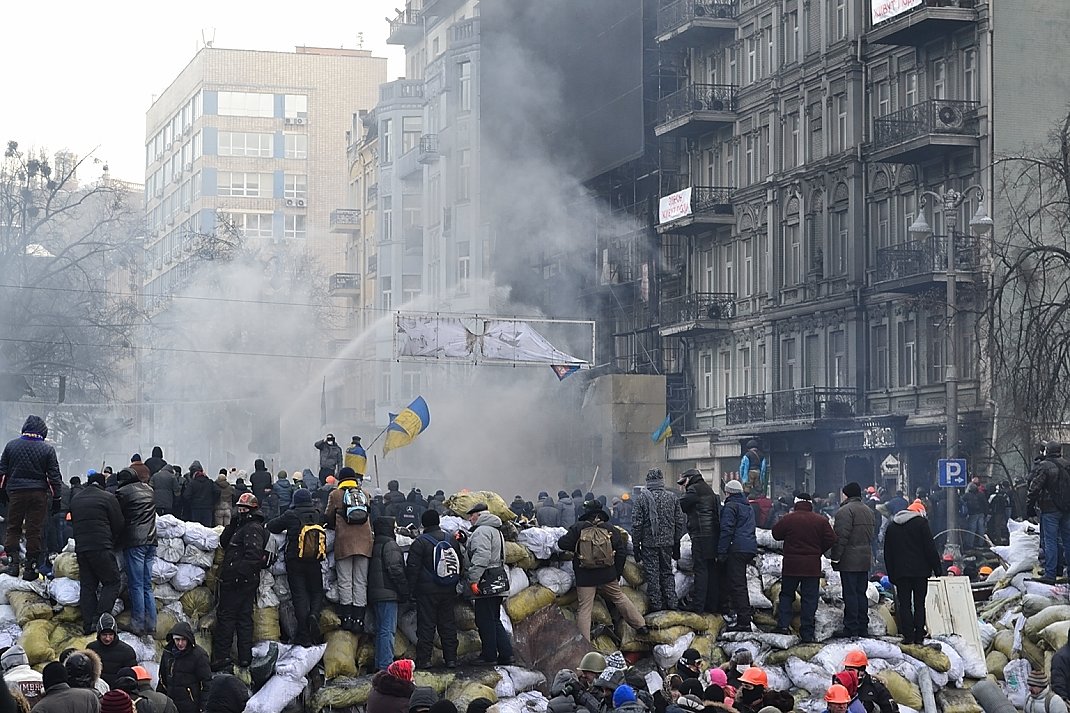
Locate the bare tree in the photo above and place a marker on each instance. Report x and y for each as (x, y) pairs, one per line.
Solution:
(1027, 319)
(59, 243)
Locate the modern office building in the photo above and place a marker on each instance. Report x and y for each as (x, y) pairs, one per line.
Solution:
(255, 139)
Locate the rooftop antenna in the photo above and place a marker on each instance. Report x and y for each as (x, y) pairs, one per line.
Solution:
(360, 40)
(208, 41)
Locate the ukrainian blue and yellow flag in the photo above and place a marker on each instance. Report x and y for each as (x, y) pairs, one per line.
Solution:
(664, 430)
(407, 425)
(356, 458)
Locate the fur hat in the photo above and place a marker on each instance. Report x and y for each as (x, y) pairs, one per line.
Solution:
(852, 490)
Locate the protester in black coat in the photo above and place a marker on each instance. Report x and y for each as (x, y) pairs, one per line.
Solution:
(201, 494)
(166, 489)
(434, 601)
(302, 573)
(244, 555)
(386, 587)
(184, 670)
(97, 521)
(910, 556)
(260, 482)
(227, 694)
(156, 461)
(31, 483)
(703, 510)
(114, 654)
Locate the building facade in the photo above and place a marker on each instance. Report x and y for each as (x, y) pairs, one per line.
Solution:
(255, 139)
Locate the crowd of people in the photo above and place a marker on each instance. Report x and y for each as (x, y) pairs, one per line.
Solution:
(112, 517)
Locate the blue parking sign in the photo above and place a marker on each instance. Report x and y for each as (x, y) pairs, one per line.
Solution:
(952, 472)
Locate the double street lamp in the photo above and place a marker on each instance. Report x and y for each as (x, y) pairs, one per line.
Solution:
(949, 202)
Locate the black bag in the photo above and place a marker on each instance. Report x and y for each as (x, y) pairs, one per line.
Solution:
(494, 582)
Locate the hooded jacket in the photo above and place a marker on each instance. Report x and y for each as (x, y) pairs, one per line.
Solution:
(386, 571)
(61, 698)
(420, 563)
(657, 520)
(284, 490)
(226, 493)
(547, 513)
(854, 524)
(703, 510)
(349, 540)
(393, 499)
(806, 536)
(201, 492)
(330, 455)
(116, 656)
(97, 520)
(486, 546)
(142, 470)
(566, 508)
(389, 694)
(226, 694)
(260, 481)
(83, 671)
(595, 577)
(156, 461)
(909, 548)
(166, 488)
(291, 523)
(737, 527)
(138, 503)
(19, 675)
(244, 543)
(29, 463)
(184, 675)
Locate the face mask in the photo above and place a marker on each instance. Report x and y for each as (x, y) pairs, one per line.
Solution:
(750, 695)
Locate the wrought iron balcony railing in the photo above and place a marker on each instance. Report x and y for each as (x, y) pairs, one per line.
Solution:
(927, 255)
(697, 98)
(934, 116)
(811, 403)
(682, 12)
(344, 282)
(698, 306)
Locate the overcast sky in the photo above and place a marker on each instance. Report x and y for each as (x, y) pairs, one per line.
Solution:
(81, 75)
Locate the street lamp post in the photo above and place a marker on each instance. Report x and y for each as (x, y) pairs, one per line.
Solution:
(949, 202)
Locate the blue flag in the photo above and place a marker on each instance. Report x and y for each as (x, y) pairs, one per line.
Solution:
(407, 425)
(663, 431)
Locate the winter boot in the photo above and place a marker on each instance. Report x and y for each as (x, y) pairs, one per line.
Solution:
(345, 614)
(13, 567)
(358, 619)
(30, 571)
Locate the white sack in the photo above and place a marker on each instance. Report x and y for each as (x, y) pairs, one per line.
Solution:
(163, 571)
(556, 580)
(64, 590)
(197, 557)
(187, 577)
(667, 655)
(542, 541)
(200, 536)
(170, 526)
(275, 695)
(295, 662)
(518, 580)
(170, 549)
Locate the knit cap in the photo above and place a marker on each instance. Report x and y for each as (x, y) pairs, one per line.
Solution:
(402, 668)
(623, 694)
(116, 702)
(1037, 679)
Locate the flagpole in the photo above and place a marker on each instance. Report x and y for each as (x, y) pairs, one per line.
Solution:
(375, 462)
(379, 436)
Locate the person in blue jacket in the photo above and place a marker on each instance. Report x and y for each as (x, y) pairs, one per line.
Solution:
(736, 547)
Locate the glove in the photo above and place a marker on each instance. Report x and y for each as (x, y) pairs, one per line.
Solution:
(56, 506)
(474, 587)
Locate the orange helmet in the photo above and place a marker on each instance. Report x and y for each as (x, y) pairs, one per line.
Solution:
(755, 677)
(837, 694)
(626, 496)
(855, 658)
(954, 570)
(985, 571)
(248, 500)
(142, 673)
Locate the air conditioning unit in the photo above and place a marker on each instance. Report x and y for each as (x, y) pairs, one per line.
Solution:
(289, 120)
(301, 203)
(950, 117)
(300, 121)
(290, 202)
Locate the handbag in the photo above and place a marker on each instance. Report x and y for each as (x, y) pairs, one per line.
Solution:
(494, 582)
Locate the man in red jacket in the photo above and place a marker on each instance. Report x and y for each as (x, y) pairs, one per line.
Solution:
(806, 536)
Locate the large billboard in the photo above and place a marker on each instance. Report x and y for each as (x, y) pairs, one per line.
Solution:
(882, 10)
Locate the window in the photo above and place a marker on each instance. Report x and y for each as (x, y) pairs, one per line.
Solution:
(296, 145)
(839, 242)
(386, 294)
(706, 270)
(295, 186)
(817, 141)
(464, 172)
(197, 146)
(791, 37)
(464, 80)
(907, 348)
(967, 351)
(294, 226)
(410, 287)
(788, 362)
(840, 28)
(411, 127)
(751, 159)
(879, 368)
(792, 144)
(252, 225)
(910, 88)
(767, 36)
(295, 106)
(881, 223)
(811, 361)
(908, 204)
(243, 185)
(748, 267)
(937, 347)
(747, 371)
(840, 103)
(752, 59)
(246, 104)
(969, 75)
(464, 266)
(726, 376)
(706, 377)
(387, 219)
(385, 144)
(793, 259)
(729, 274)
(837, 372)
(939, 79)
(884, 99)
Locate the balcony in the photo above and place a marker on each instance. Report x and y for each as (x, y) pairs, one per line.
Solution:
(404, 91)
(925, 131)
(694, 23)
(405, 28)
(435, 9)
(922, 24)
(344, 284)
(345, 220)
(429, 148)
(464, 33)
(656, 361)
(787, 410)
(696, 109)
(695, 209)
(408, 164)
(918, 265)
(697, 313)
